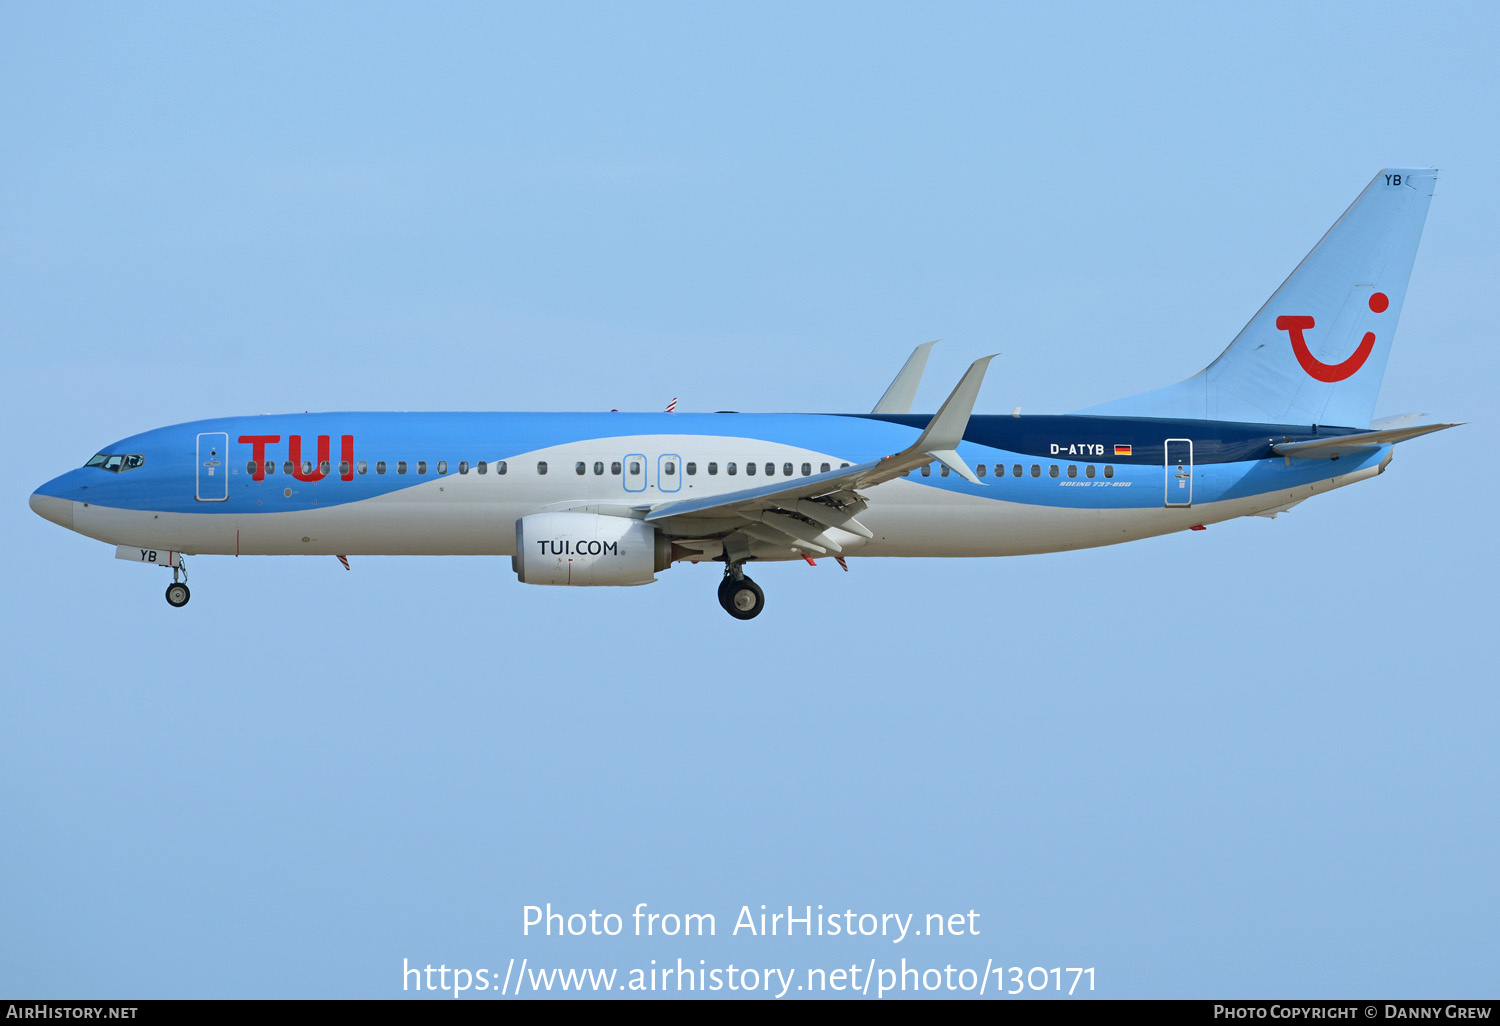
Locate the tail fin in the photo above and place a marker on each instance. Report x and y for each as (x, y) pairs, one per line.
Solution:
(1315, 353)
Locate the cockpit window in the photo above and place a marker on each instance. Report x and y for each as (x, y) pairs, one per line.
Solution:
(116, 462)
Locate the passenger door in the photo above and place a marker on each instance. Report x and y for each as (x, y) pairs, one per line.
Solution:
(669, 473)
(213, 467)
(1179, 469)
(635, 472)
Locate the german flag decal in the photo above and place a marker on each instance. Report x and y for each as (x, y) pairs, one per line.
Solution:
(1122, 450)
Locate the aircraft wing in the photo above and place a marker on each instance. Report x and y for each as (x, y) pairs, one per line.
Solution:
(1348, 445)
(796, 512)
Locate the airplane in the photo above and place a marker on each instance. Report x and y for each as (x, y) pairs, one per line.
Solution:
(597, 499)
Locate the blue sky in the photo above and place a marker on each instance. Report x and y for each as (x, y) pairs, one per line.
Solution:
(1251, 761)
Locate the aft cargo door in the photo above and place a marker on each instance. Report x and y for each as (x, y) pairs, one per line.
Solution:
(1179, 472)
(213, 466)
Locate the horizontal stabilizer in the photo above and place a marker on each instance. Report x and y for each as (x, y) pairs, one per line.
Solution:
(1400, 420)
(1348, 445)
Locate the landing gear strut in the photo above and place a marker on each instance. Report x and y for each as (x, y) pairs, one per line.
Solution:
(740, 596)
(177, 591)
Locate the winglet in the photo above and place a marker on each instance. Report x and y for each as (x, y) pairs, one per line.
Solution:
(946, 429)
(954, 462)
(898, 397)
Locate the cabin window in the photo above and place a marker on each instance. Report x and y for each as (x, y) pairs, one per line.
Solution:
(1088, 471)
(250, 467)
(1036, 470)
(943, 470)
(1072, 470)
(825, 469)
(500, 467)
(362, 467)
(400, 466)
(598, 468)
(307, 468)
(614, 468)
(635, 467)
(771, 469)
(842, 465)
(481, 467)
(421, 466)
(463, 466)
(541, 466)
(750, 469)
(1052, 470)
(979, 470)
(1109, 471)
(380, 466)
(927, 470)
(324, 467)
(271, 467)
(807, 470)
(729, 469)
(786, 470)
(442, 466)
(670, 468)
(713, 469)
(1015, 471)
(343, 468)
(580, 468)
(286, 468)
(691, 468)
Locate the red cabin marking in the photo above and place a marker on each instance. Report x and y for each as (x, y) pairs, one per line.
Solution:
(294, 453)
(259, 443)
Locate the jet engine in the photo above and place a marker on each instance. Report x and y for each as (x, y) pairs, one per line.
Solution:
(588, 549)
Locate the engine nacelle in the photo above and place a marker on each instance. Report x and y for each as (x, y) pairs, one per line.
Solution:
(588, 549)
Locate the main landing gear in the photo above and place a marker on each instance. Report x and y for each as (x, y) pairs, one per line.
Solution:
(739, 595)
(177, 591)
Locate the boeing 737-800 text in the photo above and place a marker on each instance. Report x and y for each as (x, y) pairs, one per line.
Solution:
(1283, 414)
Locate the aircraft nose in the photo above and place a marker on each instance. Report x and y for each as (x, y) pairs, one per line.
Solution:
(50, 507)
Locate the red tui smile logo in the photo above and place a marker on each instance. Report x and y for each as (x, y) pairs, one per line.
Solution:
(1295, 326)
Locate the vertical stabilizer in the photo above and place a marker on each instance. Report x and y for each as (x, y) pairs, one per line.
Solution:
(1315, 353)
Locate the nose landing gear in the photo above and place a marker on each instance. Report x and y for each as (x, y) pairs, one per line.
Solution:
(177, 591)
(740, 596)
